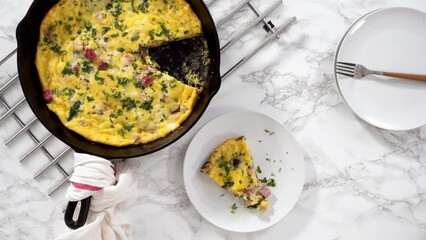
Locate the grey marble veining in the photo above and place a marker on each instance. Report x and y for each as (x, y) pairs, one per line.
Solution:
(361, 182)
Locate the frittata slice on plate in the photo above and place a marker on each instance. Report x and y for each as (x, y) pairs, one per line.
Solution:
(231, 167)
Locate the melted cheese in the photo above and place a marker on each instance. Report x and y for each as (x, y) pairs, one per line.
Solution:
(230, 165)
(104, 88)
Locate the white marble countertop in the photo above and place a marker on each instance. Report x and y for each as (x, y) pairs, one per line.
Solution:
(361, 182)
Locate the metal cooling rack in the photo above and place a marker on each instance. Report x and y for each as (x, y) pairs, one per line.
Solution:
(26, 126)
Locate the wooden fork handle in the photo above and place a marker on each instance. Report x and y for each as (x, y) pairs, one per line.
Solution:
(416, 77)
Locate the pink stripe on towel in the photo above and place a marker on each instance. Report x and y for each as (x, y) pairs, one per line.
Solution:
(85, 186)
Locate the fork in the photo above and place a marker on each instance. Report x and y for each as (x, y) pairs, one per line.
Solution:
(359, 71)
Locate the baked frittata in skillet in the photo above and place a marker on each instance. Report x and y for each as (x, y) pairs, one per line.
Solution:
(230, 165)
(97, 77)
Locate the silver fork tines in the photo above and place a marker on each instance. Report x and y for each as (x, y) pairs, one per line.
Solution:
(354, 70)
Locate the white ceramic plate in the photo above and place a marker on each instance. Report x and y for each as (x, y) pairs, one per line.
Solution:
(213, 202)
(392, 40)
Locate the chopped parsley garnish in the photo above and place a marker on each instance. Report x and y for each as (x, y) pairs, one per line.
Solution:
(164, 87)
(74, 110)
(100, 80)
(135, 38)
(151, 34)
(118, 26)
(67, 70)
(87, 25)
(221, 195)
(120, 49)
(89, 98)
(128, 103)
(126, 126)
(132, 5)
(270, 182)
(115, 115)
(105, 30)
(69, 92)
(143, 6)
(258, 170)
(117, 95)
(117, 9)
(233, 208)
(147, 105)
(164, 30)
(228, 183)
(94, 32)
(269, 132)
(138, 83)
(123, 81)
(87, 66)
(52, 27)
(56, 48)
(121, 132)
(68, 28)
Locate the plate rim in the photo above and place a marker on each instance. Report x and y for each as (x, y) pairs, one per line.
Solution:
(336, 55)
(302, 172)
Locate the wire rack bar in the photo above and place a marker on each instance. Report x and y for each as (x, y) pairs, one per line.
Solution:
(53, 162)
(23, 130)
(2, 89)
(251, 25)
(232, 12)
(257, 49)
(39, 145)
(4, 59)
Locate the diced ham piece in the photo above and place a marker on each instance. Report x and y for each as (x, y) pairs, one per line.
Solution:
(75, 67)
(102, 43)
(146, 80)
(103, 65)
(148, 69)
(250, 170)
(128, 59)
(90, 54)
(48, 95)
(100, 16)
(265, 191)
(77, 45)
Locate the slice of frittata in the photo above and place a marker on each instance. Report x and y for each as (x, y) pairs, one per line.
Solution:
(230, 165)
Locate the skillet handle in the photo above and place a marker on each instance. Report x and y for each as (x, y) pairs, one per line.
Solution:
(82, 216)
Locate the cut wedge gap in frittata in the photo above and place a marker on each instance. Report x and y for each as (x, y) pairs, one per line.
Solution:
(230, 165)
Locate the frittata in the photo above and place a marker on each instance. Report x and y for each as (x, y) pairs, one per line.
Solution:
(230, 165)
(97, 77)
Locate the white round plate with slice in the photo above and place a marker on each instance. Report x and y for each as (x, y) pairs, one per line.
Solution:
(392, 40)
(273, 149)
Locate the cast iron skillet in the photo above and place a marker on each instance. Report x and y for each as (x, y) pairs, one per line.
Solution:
(27, 34)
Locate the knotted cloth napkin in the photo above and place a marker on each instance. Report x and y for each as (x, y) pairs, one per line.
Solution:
(109, 185)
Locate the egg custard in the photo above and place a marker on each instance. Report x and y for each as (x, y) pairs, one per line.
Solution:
(230, 165)
(97, 77)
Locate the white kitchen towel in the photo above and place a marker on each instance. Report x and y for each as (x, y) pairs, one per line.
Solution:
(109, 185)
